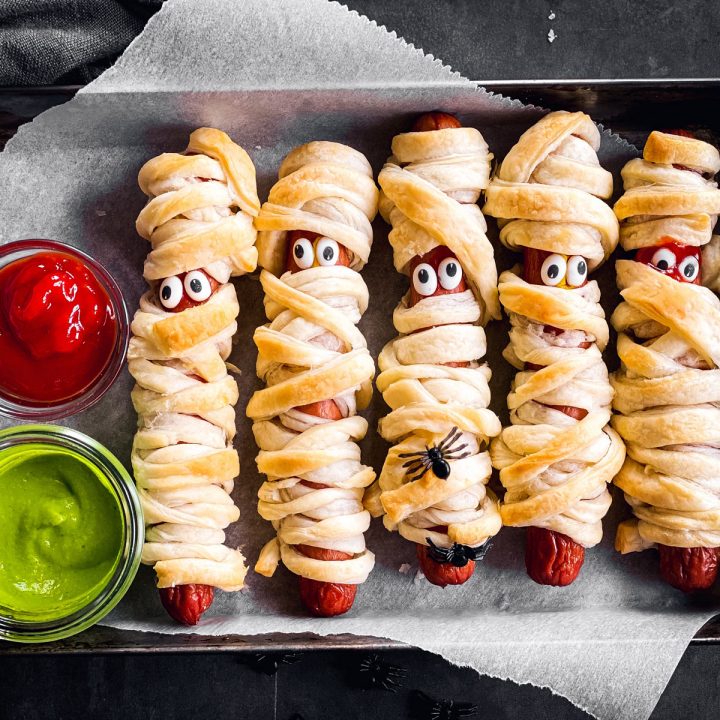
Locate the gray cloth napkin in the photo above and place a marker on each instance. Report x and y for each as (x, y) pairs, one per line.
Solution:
(45, 42)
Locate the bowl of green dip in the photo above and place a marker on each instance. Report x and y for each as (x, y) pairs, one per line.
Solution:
(71, 532)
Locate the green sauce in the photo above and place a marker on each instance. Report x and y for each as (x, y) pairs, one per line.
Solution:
(61, 532)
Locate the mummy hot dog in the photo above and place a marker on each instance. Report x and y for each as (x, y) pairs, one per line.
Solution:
(559, 454)
(315, 235)
(432, 488)
(668, 385)
(199, 222)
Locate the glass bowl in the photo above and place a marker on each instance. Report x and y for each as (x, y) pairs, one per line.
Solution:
(20, 626)
(31, 410)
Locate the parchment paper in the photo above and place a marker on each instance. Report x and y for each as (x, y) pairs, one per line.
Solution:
(273, 75)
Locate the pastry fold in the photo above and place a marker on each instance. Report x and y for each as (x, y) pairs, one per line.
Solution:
(311, 351)
(199, 216)
(548, 194)
(430, 186)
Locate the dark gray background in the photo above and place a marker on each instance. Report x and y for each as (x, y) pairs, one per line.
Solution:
(484, 40)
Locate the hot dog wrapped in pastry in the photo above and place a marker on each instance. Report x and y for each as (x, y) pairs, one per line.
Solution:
(315, 237)
(199, 221)
(558, 455)
(668, 387)
(432, 488)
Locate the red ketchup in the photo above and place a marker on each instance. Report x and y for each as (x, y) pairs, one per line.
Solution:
(307, 249)
(58, 329)
(552, 558)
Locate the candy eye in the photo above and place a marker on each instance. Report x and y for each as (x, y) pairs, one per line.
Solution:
(689, 268)
(327, 251)
(576, 271)
(424, 279)
(449, 273)
(664, 259)
(303, 253)
(197, 286)
(553, 269)
(171, 292)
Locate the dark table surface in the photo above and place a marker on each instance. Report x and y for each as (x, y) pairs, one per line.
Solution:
(486, 40)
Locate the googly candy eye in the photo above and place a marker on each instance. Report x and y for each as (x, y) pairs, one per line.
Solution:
(327, 251)
(664, 259)
(171, 292)
(449, 273)
(689, 268)
(577, 271)
(553, 269)
(197, 286)
(303, 253)
(424, 279)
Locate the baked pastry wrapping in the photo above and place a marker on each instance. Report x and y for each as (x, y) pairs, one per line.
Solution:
(668, 384)
(432, 487)
(315, 237)
(557, 457)
(199, 222)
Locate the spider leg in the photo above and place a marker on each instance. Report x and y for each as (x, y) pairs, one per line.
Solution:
(450, 452)
(418, 474)
(448, 439)
(452, 447)
(453, 455)
(418, 453)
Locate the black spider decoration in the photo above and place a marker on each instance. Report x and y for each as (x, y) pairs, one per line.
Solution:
(435, 458)
(424, 707)
(374, 672)
(269, 663)
(457, 555)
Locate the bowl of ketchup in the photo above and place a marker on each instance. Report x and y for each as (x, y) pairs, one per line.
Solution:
(64, 330)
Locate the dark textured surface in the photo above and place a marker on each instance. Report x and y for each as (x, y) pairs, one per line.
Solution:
(320, 685)
(483, 40)
(508, 39)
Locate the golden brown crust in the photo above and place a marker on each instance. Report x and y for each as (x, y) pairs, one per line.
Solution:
(555, 467)
(199, 216)
(669, 347)
(430, 186)
(311, 351)
(548, 191)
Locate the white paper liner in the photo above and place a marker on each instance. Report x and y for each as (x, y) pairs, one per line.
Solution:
(274, 75)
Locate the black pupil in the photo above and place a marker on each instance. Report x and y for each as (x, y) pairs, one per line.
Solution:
(299, 250)
(451, 269)
(582, 268)
(553, 271)
(663, 264)
(423, 276)
(328, 253)
(195, 285)
(689, 270)
(166, 292)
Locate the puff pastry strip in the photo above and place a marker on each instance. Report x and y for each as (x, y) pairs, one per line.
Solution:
(310, 354)
(432, 375)
(666, 390)
(559, 454)
(199, 222)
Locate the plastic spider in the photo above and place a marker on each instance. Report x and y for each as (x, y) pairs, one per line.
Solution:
(435, 458)
(424, 707)
(374, 672)
(270, 663)
(457, 555)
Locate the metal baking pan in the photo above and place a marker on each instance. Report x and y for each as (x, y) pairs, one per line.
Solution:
(630, 108)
